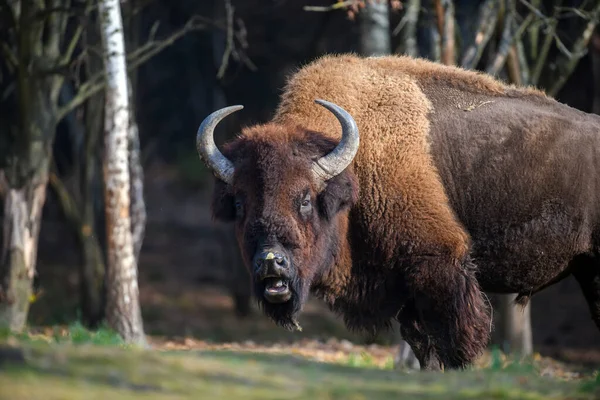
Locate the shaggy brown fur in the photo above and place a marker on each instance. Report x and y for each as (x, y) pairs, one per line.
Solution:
(453, 166)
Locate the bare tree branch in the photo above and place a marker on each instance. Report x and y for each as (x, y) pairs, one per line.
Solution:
(541, 59)
(488, 16)
(534, 33)
(96, 82)
(53, 29)
(522, 61)
(448, 50)
(229, 10)
(9, 55)
(4, 186)
(568, 64)
(335, 6)
(9, 14)
(508, 39)
(67, 203)
(408, 27)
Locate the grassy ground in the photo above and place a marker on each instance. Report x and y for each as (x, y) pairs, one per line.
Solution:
(76, 364)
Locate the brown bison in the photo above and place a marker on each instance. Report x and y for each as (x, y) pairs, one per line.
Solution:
(445, 182)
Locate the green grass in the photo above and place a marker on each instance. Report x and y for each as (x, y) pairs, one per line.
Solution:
(83, 365)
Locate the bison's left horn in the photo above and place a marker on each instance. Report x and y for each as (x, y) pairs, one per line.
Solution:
(339, 158)
(207, 149)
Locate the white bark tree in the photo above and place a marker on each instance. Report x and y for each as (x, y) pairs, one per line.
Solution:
(123, 309)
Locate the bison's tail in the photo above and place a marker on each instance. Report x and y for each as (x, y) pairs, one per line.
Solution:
(452, 309)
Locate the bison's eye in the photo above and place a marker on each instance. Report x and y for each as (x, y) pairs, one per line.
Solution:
(305, 205)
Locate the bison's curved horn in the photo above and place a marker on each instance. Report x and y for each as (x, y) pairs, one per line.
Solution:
(339, 158)
(207, 149)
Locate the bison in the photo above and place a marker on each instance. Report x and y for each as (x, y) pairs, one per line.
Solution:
(442, 183)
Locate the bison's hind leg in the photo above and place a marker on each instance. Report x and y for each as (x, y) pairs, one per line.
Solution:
(450, 310)
(587, 272)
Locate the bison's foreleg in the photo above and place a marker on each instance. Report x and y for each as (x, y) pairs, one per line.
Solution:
(421, 344)
(450, 309)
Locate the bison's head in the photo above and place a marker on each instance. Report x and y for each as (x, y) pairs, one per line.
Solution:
(289, 191)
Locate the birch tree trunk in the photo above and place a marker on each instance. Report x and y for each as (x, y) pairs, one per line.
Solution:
(123, 309)
(374, 20)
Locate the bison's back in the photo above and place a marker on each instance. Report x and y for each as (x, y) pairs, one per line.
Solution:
(518, 169)
(522, 175)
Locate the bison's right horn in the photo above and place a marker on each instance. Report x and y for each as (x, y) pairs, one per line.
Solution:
(207, 149)
(339, 158)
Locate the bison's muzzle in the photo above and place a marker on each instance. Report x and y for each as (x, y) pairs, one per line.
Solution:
(272, 269)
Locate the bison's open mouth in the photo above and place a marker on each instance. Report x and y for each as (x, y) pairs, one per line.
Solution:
(276, 290)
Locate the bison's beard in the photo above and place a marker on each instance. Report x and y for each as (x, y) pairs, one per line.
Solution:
(284, 314)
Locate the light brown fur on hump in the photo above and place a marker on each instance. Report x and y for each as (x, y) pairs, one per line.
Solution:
(402, 197)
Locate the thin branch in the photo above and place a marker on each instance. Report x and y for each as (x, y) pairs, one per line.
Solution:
(408, 27)
(523, 63)
(4, 186)
(53, 28)
(10, 13)
(96, 82)
(229, 45)
(534, 33)
(9, 55)
(67, 203)
(568, 64)
(336, 6)
(508, 39)
(488, 16)
(448, 55)
(541, 59)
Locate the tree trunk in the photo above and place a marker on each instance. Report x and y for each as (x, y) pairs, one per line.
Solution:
(375, 29)
(515, 326)
(123, 308)
(408, 33)
(22, 220)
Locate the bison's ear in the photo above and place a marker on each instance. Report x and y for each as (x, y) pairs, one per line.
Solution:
(223, 202)
(340, 194)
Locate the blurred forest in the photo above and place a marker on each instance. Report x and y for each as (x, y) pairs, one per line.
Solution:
(188, 58)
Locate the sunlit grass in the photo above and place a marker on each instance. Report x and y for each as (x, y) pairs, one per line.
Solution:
(76, 363)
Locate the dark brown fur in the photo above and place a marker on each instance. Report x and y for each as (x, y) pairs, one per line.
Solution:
(453, 168)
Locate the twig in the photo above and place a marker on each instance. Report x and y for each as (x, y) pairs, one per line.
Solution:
(507, 41)
(534, 32)
(336, 6)
(567, 65)
(408, 26)
(10, 13)
(488, 16)
(513, 68)
(541, 59)
(68, 205)
(522, 62)
(96, 82)
(9, 55)
(448, 56)
(4, 186)
(229, 44)
(53, 29)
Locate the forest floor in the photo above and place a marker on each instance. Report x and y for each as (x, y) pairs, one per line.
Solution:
(73, 363)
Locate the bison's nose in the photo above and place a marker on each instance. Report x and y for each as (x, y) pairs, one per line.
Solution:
(270, 263)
